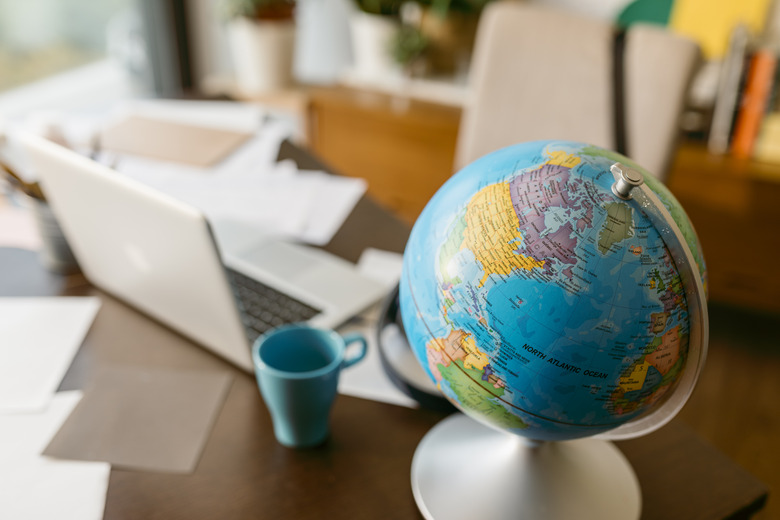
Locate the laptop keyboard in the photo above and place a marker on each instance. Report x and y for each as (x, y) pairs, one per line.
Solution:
(263, 307)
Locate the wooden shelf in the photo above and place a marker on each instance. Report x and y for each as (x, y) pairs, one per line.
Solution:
(735, 207)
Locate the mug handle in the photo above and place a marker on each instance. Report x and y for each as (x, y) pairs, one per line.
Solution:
(350, 339)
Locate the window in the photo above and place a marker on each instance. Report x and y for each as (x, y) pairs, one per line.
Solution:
(40, 38)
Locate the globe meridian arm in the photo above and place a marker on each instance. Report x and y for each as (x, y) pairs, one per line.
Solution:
(646, 201)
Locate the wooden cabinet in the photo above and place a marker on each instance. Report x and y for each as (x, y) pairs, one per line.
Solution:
(735, 207)
(405, 150)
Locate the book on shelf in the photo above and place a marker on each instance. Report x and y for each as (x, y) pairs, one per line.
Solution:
(753, 106)
(746, 114)
(730, 84)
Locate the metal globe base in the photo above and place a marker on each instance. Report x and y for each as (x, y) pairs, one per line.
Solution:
(465, 470)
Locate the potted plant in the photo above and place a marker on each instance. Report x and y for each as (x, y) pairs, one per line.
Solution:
(442, 35)
(261, 35)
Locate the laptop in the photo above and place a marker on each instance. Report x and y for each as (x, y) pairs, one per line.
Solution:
(162, 257)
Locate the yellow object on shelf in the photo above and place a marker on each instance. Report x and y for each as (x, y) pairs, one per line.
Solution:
(710, 22)
(767, 148)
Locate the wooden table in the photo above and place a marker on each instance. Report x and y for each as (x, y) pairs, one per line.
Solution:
(363, 471)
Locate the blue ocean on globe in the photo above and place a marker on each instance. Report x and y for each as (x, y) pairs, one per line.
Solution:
(541, 303)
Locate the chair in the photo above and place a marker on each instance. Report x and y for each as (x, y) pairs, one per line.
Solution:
(539, 73)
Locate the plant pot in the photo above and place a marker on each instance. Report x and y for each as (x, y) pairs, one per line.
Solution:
(323, 47)
(372, 37)
(262, 54)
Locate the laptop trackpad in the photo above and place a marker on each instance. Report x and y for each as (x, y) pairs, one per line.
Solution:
(284, 260)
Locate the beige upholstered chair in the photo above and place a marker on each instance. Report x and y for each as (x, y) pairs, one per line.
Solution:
(539, 73)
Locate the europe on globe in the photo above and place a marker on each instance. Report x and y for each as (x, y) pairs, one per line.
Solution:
(543, 303)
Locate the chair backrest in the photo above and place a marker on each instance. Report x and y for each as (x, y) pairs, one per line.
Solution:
(539, 73)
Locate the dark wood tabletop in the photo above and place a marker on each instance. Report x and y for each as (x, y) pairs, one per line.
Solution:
(363, 470)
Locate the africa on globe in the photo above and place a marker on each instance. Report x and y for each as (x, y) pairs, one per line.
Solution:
(543, 303)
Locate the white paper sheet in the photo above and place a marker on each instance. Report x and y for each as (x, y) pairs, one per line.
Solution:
(383, 266)
(309, 206)
(36, 487)
(368, 379)
(28, 434)
(38, 339)
(45, 488)
(248, 186)
(333, 200)
(270, 201)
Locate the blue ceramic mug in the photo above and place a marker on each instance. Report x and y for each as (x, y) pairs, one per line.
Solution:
(297, 368)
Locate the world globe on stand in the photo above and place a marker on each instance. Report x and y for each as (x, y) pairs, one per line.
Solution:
(549, 297)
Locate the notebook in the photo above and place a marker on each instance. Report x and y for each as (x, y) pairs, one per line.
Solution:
(164, 258)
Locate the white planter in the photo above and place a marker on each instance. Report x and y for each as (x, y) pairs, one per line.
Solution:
(372, 37)
(262, 54)
(323, 47)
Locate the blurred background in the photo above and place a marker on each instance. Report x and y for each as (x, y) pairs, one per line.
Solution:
(378, 90)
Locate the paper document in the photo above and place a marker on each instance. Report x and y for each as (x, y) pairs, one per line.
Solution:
(27, 434)
(37, 487)
(309, 206)
(248, 185)
(38, 339)
(269, 201)
(227, 178)
(368, 379)
(332, 201)
(382, 266)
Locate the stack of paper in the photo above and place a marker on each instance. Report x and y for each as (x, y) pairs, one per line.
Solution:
(246, 184)
(33, 486)
(40, 336)
(309, 206)
(219, 157)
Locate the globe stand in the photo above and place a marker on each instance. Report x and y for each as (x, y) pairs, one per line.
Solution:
(464, 470)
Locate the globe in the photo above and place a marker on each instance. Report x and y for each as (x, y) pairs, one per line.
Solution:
(544, 302)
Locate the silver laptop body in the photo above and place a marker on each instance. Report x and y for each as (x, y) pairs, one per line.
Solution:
(160, 255)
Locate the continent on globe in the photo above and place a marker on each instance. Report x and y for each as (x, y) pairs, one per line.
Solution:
(490, 232)
(617, 227)
(460, 346)
(454, 360)
(659, 321)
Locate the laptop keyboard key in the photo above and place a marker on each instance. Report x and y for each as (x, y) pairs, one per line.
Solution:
(263, 307)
